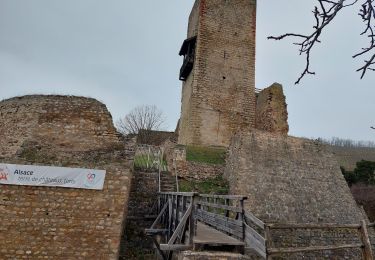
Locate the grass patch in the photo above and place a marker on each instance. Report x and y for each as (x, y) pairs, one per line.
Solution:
(210, 186)
(148, 162)
(210, 155)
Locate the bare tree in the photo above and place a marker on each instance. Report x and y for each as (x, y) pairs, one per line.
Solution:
(325, 12)
(144, 117)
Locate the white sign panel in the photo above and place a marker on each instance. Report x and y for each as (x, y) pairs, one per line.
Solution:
(31, 175)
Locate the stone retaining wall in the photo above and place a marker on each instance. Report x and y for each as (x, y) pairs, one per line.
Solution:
(63, 223)
(143, 195)
(290, 179)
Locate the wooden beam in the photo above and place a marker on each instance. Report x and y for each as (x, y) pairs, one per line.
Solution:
(231, 197)
(250, 231)
(367, 251)
(158, 248)
(312, 226)
(220, 206)
(175, 247)
(288, 250)
(186, 194)
(180, 225)
(155, 231)
(159, 216)
(254, 219)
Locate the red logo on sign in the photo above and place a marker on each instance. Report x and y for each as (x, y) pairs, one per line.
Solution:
(91, 177)
(3, 175)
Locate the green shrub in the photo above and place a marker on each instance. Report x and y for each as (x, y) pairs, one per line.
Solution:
(349, 176)
(363, 173)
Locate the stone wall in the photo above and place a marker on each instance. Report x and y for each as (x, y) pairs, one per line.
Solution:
(271, 110)
(63, 223)
(218, 97)
(188, 109)
(364, 195)
(156, 138)
(135, 244)
(70, 123)
(289, 179)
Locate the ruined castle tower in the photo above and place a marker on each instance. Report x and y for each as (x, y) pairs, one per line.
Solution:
(218, 72)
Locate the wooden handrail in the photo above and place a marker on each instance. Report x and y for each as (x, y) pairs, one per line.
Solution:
(256, 221)
(312, 226)
(180, 210)
(185, 194)
(231, 197)
(181, 225)
(288, 250)
(365, 246)
(219, 206)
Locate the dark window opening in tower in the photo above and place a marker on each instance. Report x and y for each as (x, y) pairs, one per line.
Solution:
(188, 51)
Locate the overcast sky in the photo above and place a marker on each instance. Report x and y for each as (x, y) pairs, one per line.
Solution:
(125, 53)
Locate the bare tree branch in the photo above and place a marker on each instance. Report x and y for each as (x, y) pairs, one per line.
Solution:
(325, 12)
(141, 118)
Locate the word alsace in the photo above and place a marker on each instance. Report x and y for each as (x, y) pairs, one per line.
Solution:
(19, 172)
(31, 175)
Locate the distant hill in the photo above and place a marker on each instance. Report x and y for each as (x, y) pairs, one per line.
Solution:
(349, 156)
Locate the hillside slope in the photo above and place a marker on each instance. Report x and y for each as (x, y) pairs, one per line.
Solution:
(349, 156)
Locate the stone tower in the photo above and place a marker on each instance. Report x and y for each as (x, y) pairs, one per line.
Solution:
(218, 72)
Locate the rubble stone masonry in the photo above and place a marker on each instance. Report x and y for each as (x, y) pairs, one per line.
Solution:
(271, 110)
(62, 223)
(289, 179)
(294, 180)
(70, 123)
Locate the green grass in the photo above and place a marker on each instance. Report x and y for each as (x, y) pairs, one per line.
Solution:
(147, 162)
(210, 186)
(210, 155)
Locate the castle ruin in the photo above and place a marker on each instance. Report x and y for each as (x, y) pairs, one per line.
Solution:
(218, 74)
(286, 179)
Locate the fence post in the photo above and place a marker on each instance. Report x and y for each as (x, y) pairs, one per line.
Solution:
(160, 165)
(243, 218)
(192, 224)
(367, 251)
(268, 241)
